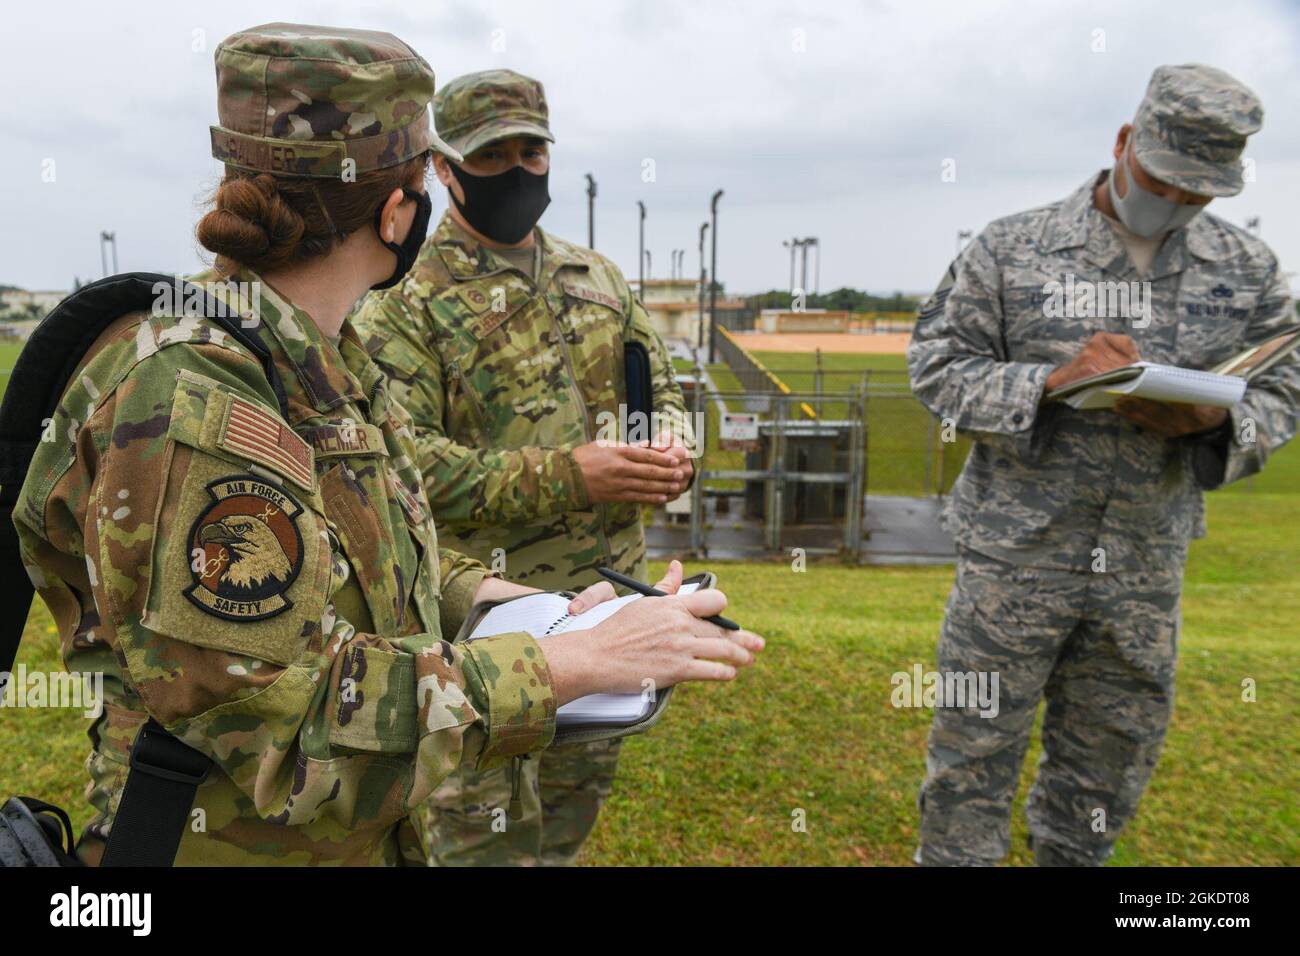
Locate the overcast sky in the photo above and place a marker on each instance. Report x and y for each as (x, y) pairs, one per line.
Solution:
(825, 119)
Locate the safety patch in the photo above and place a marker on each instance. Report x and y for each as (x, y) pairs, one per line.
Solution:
(255, 433)
(245, 549)
(592, 295)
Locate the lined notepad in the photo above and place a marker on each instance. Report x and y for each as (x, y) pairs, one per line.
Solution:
(542, 615)
(1161, 383)
(1222, 386)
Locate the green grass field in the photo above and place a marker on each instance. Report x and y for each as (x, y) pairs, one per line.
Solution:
(811, 726)
(8, 355)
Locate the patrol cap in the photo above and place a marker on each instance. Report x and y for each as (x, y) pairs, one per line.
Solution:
(301, 100)
(480, 108)
(1191, 128)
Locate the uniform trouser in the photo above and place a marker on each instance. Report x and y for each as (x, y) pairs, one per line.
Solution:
(561, 791)
(1100, 647)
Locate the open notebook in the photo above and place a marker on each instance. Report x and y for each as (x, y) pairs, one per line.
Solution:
(1161, 383)
(1222, 386)
(544, 614)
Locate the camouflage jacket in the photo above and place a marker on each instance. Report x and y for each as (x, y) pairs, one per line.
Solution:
(1047, 485)
(271, 593)
(503, 377)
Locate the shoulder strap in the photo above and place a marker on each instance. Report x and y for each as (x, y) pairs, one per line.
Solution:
(164, 772)
(156, 799)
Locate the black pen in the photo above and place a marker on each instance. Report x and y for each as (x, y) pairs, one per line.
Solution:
(648, 591)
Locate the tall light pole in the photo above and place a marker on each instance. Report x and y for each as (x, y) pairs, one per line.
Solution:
(640, 252)
(805, 244)
(713, 277)
(648, 271)
(106, 239)
(699, 337)
(963, 237)
(591, 212)
(792, 245)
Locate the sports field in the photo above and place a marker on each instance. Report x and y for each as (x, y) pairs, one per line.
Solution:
(811, 728)
(882, 343)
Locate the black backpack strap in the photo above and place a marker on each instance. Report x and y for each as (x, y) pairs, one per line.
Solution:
(18, 592)
(164, 773)
(156, 801)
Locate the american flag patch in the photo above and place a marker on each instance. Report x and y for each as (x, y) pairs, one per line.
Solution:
(257, 434)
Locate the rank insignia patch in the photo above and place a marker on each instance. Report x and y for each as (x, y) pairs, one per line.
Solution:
(245, 549)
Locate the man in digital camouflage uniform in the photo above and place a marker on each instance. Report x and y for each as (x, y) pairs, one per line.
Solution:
(506, 346)
(1073, 526)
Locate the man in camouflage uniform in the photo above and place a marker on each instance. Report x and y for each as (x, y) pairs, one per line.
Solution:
(271, 588)
(508, 353)
(1073, 526)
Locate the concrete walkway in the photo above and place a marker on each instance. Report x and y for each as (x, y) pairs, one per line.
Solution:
(898, 530)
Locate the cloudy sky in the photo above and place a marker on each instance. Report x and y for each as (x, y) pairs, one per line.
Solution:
(829, 119)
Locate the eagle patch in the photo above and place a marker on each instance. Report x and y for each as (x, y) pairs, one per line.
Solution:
(245, 549)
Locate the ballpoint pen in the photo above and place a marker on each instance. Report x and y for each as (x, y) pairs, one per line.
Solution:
(648, 591)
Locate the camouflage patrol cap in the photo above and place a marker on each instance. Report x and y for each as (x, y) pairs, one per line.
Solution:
(480, 108)
(1191, 128)
(303, 100)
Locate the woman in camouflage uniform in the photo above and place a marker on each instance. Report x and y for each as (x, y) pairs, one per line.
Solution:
(269, 587)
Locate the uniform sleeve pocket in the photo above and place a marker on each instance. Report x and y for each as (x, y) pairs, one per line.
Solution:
(376, 707)
(240, 561)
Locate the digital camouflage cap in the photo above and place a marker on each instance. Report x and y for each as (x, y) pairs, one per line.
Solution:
(480, 108)
(1191, 128)
(321, 101)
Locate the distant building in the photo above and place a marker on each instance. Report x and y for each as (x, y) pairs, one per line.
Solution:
(23, 300)
(674, 308)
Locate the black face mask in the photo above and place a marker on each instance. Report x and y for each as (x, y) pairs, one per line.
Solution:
(409, 247)
(504, 207)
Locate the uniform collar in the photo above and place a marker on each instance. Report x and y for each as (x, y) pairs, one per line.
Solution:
(1078, 224)
(466, 258)
(323, 372)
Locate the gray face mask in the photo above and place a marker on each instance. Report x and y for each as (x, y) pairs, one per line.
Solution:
(1147, 214)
